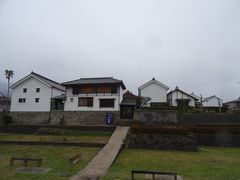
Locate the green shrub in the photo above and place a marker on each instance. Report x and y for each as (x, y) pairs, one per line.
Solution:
(6, 120)
(196, 111)
(159, 105)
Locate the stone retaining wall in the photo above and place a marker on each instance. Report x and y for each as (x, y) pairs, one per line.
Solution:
(208, 118)
(31, 129)
(144, 116)
(89, 117)
(222, 139)
(165, 117)
(63, 117)
(163, 141)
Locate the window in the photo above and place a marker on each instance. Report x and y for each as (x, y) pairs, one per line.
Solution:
(71, 99)
(109, 103)
(24, 90)
(37, 90)
(87, 102)
(22, 100)
(36, 100)
(75, 90)
(114, 89)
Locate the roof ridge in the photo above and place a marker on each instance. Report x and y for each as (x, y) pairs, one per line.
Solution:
(99, 78)
(44, 77)
(177, 89)
(154, 80)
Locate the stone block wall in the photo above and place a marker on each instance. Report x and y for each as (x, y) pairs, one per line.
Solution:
(163, 142)
(208, 118)
(165, 117)
(150, 117)
(63, 117)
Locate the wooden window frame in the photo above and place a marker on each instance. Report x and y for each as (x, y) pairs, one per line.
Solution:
(75, 90)
(101, 105)
(88, 103)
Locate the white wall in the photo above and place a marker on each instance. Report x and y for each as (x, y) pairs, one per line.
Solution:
(73, 106)
(155, 92)
(179, 95)
(231, 105)
(57, 92)
(30, 105)
(213, 102)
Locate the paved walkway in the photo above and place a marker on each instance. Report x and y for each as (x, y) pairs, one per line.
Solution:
(99, 165)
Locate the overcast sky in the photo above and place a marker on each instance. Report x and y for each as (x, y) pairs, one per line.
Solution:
(192, 44)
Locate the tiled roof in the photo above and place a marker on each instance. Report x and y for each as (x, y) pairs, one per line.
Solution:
(154, 81)
(94, 81)
(207, 98)
(41, 78)
(177, 89)
(49, 81)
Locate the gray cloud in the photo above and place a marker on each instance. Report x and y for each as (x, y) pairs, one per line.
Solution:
(192, 44)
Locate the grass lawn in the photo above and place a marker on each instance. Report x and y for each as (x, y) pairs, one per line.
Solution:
(209, 163)
(55, 157)
(55, 138)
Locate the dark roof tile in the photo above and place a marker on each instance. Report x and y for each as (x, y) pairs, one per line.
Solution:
(93, 81)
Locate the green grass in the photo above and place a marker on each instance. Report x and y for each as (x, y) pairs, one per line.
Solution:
(55, 157)
(209, 163)
(54, 138)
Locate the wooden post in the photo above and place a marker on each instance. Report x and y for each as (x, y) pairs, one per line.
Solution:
(153, 176)
(25, 163)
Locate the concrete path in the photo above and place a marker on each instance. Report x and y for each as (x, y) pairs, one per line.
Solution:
(99, 165)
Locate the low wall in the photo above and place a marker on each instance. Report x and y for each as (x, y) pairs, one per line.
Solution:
(163, 141)
(208, 118)
(223, 139)
(165, 117)
(1, 115)
(63, 117)
(150, 117)
(31, 129)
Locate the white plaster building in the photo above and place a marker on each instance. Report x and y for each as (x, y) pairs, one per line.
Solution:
(212, 101)
(34, 93)
(177, 97)
(234, 104)
(94, 94)
(155, 90)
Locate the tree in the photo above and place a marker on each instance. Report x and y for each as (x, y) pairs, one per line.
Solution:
(9, 74)
(219, 105)
(144, 101)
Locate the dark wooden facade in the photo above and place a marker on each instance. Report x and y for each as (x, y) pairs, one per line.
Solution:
(113, 89)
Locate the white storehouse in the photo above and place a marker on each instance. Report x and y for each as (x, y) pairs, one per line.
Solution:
(212, 101)
(34, 93)
(155, 90)
(178, 97)
(234, 104)
(94, 94)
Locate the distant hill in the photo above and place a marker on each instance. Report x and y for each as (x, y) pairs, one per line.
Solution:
(3, 88)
